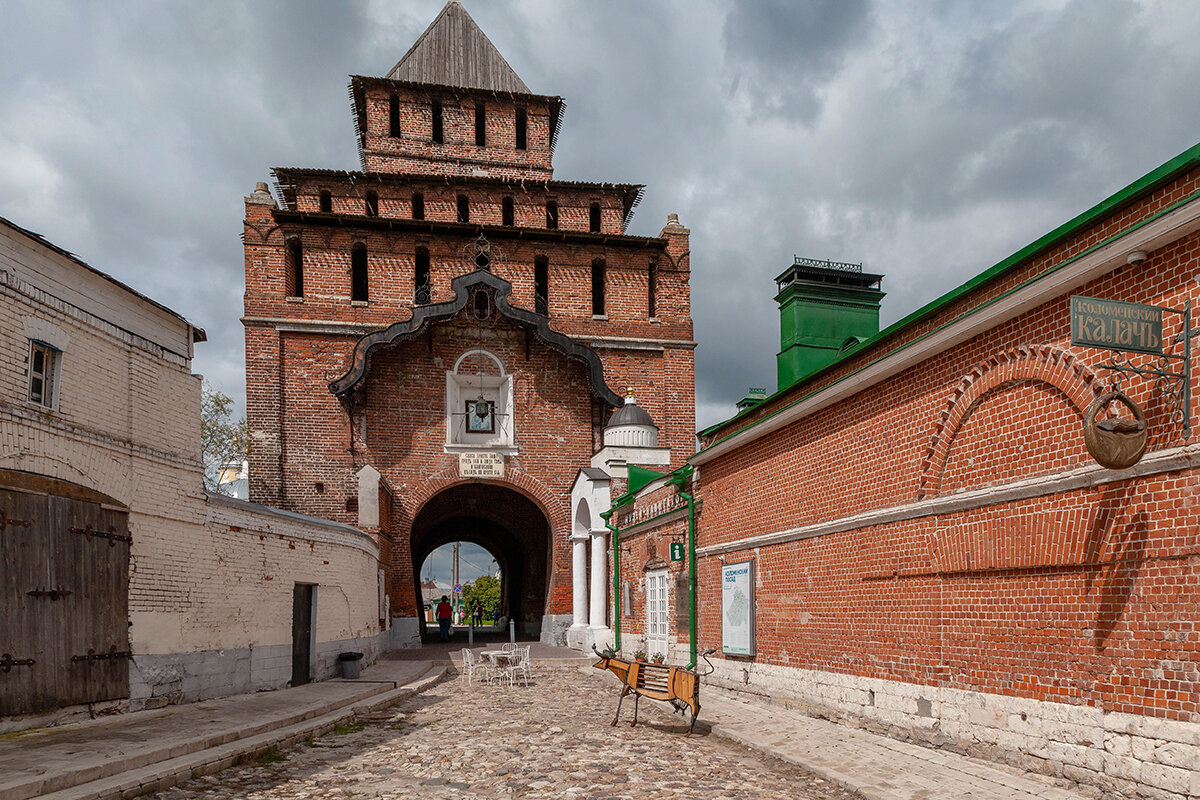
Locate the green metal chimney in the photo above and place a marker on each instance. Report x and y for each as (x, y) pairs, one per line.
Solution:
(825, 307)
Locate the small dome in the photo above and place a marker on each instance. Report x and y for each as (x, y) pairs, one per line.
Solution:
(630, 414)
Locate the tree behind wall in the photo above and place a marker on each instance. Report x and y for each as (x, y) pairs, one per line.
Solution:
(223, 439)
(486, 591)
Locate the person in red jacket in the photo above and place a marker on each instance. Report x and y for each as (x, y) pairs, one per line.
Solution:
(444, 613)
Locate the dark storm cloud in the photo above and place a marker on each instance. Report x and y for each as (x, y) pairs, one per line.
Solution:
(927, 139)
(780, 52)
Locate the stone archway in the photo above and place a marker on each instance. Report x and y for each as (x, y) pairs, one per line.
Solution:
(502, 520)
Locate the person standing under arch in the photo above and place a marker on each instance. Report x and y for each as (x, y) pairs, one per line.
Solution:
(444, 614)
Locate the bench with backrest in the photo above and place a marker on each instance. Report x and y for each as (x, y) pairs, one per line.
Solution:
(675, 685)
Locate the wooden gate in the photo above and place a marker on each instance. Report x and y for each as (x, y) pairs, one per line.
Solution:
(64, 597)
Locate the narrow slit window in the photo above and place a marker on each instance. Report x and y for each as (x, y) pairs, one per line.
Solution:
(652, 289)
(480, 125)
(295, 268)
(522, 122)
(594, 218)
(436, 108)
(551, 214)
(541, 285)
(394, 116)
(372, 204)
(326, 201)
(598, 286)
(464, 209)
(507, 214)
(43, 367)
(421, 280)
(418, 206)
(358, 272)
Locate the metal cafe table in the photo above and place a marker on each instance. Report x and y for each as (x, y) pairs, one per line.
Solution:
(501, 662)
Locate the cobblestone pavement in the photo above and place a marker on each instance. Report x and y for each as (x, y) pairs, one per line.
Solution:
(548, 740)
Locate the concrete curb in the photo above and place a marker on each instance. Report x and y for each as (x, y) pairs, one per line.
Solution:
(237, 746)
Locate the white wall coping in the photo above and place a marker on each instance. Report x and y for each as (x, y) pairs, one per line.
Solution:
(225, 510)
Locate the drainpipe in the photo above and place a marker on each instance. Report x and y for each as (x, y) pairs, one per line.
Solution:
(678, 480)
(616, 560)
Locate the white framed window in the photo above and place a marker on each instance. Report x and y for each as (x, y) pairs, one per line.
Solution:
(657, 640)
(479, 404)
(43, 374)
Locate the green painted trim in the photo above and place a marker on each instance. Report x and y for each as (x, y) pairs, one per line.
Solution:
(1181, 163)
(907, 322)
(639, 477)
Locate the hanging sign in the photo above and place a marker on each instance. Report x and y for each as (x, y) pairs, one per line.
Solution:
(737, 608)
(481, 465)
(677, 551)
(1115, 325)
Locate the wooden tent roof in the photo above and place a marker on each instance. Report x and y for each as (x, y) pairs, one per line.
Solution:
(453, 51)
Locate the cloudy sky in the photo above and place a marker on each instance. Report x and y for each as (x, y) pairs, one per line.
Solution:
(926, 138)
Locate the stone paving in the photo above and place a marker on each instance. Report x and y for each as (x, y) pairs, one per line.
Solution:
(548, 740)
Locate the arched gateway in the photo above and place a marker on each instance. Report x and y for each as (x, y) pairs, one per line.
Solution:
(502, 520)
(429, 359)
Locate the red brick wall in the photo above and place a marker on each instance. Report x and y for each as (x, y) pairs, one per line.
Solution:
(415, 152)
(1084, 596)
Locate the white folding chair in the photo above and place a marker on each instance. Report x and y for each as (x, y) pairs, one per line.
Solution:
(519, 664)
(473, 667)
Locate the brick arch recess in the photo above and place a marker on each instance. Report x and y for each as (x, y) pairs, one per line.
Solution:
(1037, 363)
(405, 513)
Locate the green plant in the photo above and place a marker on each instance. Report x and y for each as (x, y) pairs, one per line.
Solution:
(353, 726)
(639, 655)
(658, 658)
(271, 756)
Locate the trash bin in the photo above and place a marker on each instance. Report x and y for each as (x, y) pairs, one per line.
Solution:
(350, 664)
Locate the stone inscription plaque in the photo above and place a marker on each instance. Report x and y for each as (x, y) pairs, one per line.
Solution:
(480, 465)
(1115, 325)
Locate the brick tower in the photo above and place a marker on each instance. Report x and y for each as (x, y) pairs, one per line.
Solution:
(436, 343)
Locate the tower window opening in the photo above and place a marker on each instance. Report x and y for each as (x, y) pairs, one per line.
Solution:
(326, 201)
(598, 286)
(421, 280)
(358, 272)
(394, 116)
(652, 289)
(295, 268)
(464, 209)
(480, 125)
(551, 214)
(372, 204)
(418, 206)
(522, 122)
(541, 285)
(436, 108)
(507, 215)
(594, 218)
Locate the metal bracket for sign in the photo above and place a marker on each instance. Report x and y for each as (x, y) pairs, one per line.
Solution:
(1175, 386)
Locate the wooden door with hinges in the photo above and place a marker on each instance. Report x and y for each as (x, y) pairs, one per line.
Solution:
(64, 602)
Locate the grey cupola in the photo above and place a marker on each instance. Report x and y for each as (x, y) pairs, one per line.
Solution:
(631, 426)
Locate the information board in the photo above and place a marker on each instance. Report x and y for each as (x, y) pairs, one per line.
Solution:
(481, 465)
(677, 551)
(1115, 325)
(737, 608)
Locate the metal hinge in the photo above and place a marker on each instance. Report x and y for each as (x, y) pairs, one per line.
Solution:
(92, 655)
(7, 521)
(53, 594)
(7, 662)
(111, 534)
